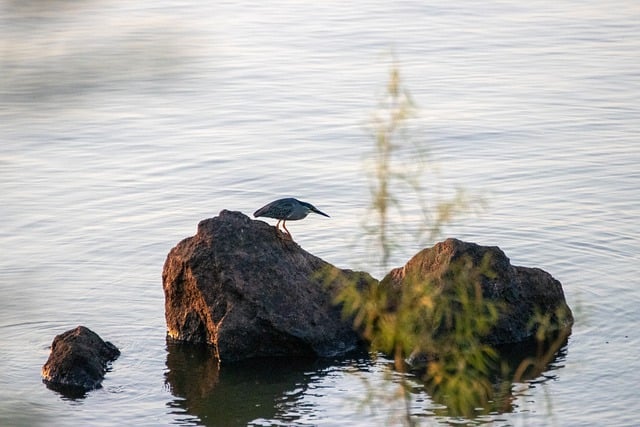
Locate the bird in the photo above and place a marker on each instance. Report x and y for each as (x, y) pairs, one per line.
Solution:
(287, 209)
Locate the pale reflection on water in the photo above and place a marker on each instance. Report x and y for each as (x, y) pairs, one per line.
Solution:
(122, 124)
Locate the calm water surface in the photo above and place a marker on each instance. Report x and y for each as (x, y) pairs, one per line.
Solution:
(122, 124)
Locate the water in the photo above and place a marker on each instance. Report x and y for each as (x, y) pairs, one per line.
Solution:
(122, 124)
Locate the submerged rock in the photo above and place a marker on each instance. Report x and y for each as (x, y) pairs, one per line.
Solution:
(78, 361)
(240, 287)
(520, 293)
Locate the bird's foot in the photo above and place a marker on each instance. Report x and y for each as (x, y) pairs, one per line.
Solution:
(283, 235)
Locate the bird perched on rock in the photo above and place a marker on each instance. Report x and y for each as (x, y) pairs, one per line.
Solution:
(287, 209)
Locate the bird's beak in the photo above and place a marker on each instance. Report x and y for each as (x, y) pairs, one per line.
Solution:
(318, 211)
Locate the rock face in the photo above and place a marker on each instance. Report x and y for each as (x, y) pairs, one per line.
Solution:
(78, 361)
(521, 291)
(238, 286)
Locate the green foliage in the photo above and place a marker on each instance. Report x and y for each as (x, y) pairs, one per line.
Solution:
(394, 109)
(435, 323)
(441, 322)
(551, 332)
(398, 169)
(459, 372)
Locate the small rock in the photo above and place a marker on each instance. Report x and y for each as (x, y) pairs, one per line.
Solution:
(78, 361)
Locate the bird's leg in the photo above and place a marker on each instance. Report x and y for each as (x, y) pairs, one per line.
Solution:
(281, 234)
(285, 227)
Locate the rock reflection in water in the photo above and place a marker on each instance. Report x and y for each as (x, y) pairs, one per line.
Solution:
(527, 363)
(236, 393)
(240, 393)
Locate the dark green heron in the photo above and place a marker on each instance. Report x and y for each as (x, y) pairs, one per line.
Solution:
(287, 209)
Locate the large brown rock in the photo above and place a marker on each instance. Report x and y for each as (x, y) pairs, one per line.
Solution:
(78, 361)
(521, 293)
(238, 286)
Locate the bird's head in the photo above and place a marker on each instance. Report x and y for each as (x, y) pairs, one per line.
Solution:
(310, 208)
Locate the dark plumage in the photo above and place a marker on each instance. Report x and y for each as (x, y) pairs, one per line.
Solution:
(287, 209)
